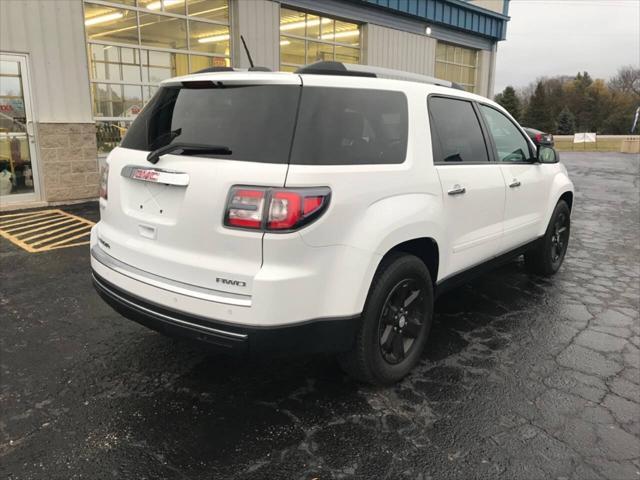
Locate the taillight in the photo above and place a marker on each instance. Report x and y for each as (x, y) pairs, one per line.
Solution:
(275, 209)
(245, 207)
(538, 138)
(104, 181)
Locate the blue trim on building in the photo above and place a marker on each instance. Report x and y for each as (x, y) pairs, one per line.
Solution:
(451, 13)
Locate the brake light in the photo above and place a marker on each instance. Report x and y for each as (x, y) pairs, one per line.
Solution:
(538, 138)
(275, 209)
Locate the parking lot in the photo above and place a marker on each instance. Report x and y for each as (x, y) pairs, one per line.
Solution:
(523, 377)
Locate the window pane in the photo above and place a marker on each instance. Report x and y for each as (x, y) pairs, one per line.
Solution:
(347, 55)
(158, 66)
(162, 31)
(292, 50)
(458, 55)
(10, 87)
(222, 116)
(9, 68)
(198, 62)
(107, 100)
(210, 38)
(174, 6)
(147, 93)
(317, 52)
(125, 2)
(450, 53)
(313, 26)
(349, 126)
(327, 29)
(510, 143)
(347, 33)
(132, 95)
(109, 134)
(110, 24)
(456, 132)
(217, 10)
(292, 22)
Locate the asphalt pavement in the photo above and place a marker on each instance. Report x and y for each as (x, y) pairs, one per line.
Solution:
(523, 377)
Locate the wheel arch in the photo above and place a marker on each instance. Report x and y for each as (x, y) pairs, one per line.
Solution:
(568, 198)
(561, 189)
(425, 248)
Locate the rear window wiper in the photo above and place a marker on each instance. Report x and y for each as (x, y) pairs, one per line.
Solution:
(187, 149)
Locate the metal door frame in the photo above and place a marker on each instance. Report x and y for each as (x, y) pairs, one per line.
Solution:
(27, 95)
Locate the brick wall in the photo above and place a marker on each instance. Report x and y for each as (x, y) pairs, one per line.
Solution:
(68, 161)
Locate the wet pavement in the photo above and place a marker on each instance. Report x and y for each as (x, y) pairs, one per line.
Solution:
(523, 377)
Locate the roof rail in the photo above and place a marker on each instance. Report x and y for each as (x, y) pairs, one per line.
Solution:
(350, 69)
(230, 69)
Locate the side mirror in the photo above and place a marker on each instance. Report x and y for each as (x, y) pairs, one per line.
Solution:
(546, 154)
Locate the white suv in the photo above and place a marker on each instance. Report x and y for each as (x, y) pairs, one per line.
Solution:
(319, 211)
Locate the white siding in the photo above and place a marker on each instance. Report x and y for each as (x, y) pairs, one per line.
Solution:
(52, 33)
(485, 73)
(390, 48)
(258, 21)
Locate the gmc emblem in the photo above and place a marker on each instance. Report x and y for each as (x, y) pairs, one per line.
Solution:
(235, 283)
(144, 174)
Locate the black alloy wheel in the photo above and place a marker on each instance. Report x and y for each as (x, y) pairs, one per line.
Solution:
(560, 238)
(401, 320)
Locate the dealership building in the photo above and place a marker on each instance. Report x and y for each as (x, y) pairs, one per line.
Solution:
(75, 73)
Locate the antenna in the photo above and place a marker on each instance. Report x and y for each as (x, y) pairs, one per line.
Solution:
(246, 49)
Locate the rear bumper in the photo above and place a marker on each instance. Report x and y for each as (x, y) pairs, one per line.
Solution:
(313, 336)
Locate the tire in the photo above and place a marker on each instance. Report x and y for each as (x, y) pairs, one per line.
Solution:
(547, 257)
(395, 322)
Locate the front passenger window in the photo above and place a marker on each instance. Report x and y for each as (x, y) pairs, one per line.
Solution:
(510, 143)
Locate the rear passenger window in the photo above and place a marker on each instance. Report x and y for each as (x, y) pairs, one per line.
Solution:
(350, 126)
(455, 132)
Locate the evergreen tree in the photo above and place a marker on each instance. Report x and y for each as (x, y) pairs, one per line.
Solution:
(566, 123)
(510, 101)
(538, 113)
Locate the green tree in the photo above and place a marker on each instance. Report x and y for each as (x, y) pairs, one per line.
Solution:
(538, 112)
(510, 101)
(566, 123)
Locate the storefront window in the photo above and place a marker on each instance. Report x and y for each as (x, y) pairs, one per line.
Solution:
(166, 38)
(217, 10)
(457, 64)
(306, 38)
(108, 24)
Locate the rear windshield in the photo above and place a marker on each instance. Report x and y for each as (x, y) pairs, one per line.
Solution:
(336, 126)
(254, 121)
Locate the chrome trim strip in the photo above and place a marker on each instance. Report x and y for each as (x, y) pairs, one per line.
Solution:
(174, 286)
(156, 175)
(167, 318)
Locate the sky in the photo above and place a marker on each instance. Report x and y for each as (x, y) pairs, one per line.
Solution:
(563, 37)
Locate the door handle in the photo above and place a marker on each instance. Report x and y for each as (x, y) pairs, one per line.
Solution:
(457, 190)
(514, 183)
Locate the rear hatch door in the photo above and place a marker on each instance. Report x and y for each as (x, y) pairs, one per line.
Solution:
(167, 218)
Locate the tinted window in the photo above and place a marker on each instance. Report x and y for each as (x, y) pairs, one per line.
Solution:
(456, 133)
(510, 143)
(255, 122)
(348, 126)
